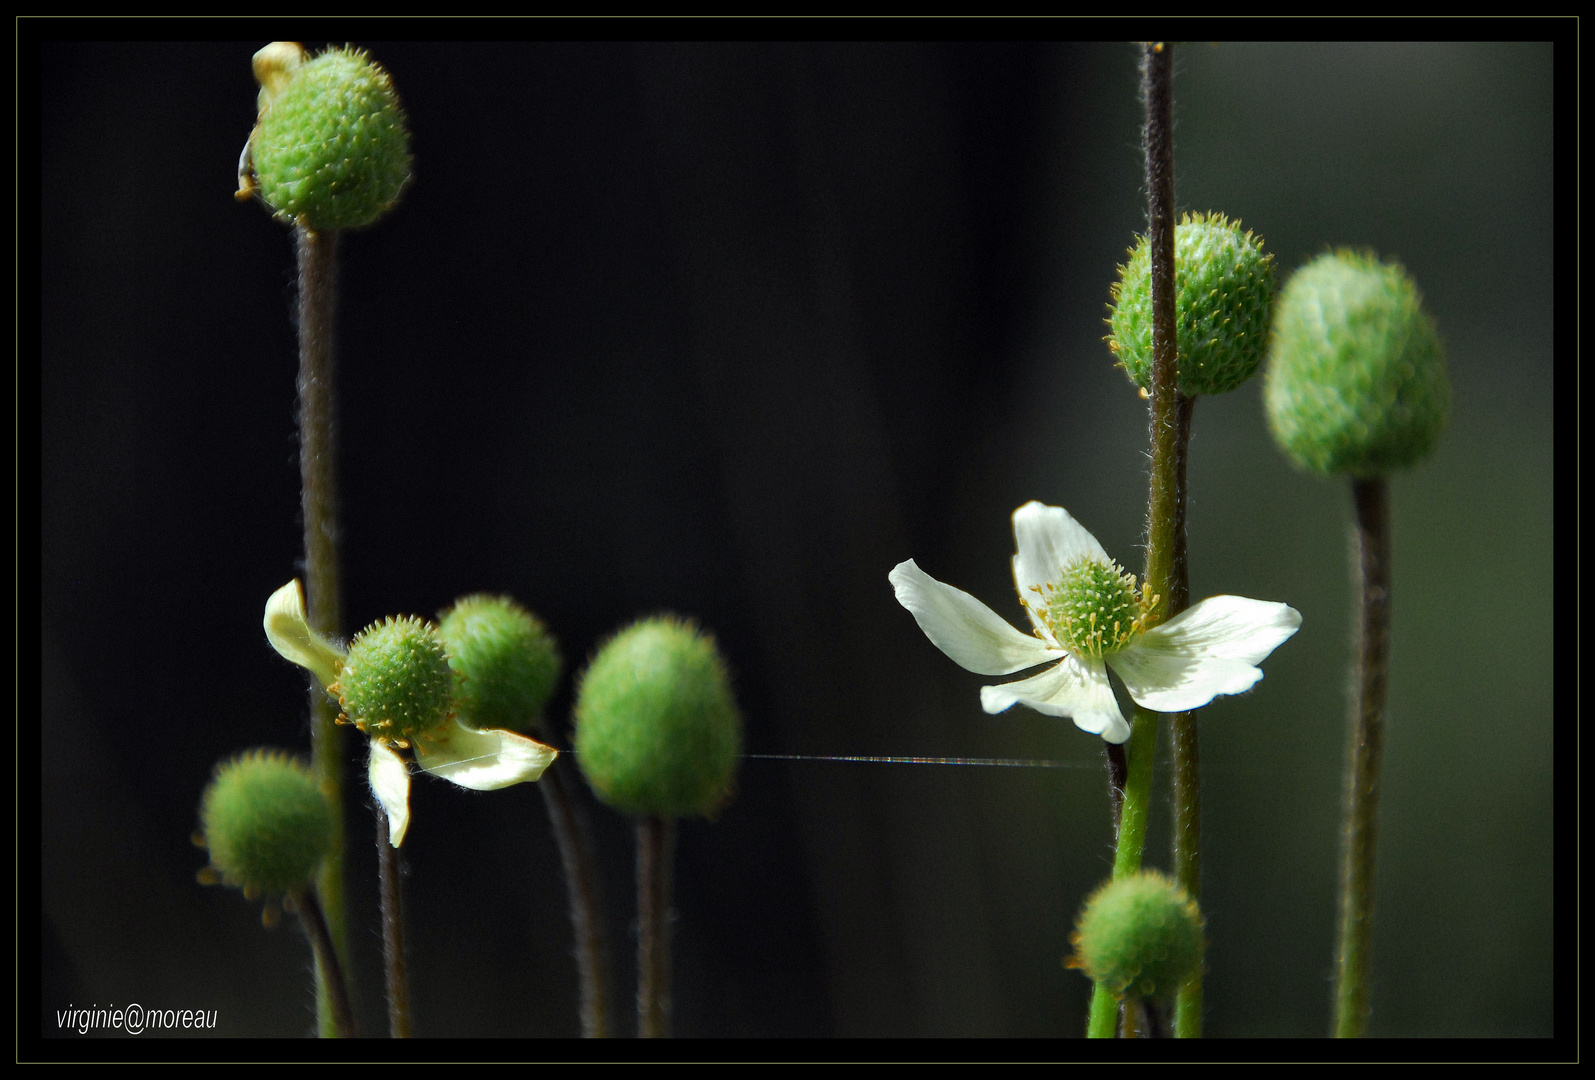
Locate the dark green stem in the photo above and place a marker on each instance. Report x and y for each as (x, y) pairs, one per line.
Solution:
(1141, 749)
(1355, 959)
(655, 844)
(317, 258)
(1157, 77)
(328, 968)
(388, 872)
(581, 887)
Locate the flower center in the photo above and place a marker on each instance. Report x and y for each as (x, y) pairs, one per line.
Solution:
(1095, 609)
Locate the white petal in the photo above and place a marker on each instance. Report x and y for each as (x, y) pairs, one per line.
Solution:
(976, 637)
(1075, 688)
(290, 634)
(483, 760)
(1204, 651)
(1047, 539)
(390, 783)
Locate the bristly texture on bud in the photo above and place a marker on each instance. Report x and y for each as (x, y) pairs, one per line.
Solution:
(506, 662)
(396, 683)
(331, 148)
(266, 824)
(1356, 381)
(1140, 936)
(1223, 289)
(657, 730)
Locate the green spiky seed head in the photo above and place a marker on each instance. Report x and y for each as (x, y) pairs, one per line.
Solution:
(505, 661)
(1095, 608)
(1139, 936)
(396, 682)
(1223, 288)
(657, 730)
(1356, 383)
(265, 822)
(331, 146)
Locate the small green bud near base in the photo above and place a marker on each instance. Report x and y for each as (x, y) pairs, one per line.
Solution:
(1223, 288)
(505, 660)
(657, 730)
(330, 148)
(1140, 936)
(396, 683)
(1356, 381)
(265, 823)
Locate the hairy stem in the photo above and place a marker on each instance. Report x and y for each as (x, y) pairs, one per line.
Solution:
(581, 887)
(317, 258)
(1355, 956)
(314, 924)
(393, 932)
(655, 844)
(1183, 741)
(1157, 76)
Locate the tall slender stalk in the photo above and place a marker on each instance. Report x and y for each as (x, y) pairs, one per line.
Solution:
(398, 978)
(581, 886)
(314, 924)
(317, 258)
(655, 852)
(1187, 793)
(1157, 77)
(1355, 954)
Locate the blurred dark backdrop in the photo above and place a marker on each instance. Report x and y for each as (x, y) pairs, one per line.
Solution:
(730, 330)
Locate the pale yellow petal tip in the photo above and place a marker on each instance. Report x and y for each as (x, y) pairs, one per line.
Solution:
(275, 64)
(390, 783)
(290, 633)
(483, 760)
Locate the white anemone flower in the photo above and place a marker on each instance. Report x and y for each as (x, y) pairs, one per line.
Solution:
(1086, 616)
(482, 760)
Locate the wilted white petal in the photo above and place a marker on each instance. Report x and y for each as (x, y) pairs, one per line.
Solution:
(1074, 687)
(1231, 627)
(1047, 539)
(390, 783)
(483, 760)
(973, 635)
(290, 634)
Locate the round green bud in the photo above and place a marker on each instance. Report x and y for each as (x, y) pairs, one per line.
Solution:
(396, 681)
(265, 822)
(1356, 381)
(1223, 287)
(505, 661)
(1139, 936)
(331, 147)
(657, 731)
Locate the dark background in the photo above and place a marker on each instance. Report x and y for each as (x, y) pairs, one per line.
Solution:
(730, 330)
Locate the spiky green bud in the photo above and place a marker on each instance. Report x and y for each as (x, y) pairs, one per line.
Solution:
(657, 730)
(265, 823)
(1140, 936)
(505, 660)
(1356, 381)
(330, 147)
(1223, 288)
(396, 682)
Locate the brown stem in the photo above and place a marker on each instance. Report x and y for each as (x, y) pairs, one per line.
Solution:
(655, 841)
(581, 886)
(1365, 756)
(317, 258)
(1187, 793)
(393, 932)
